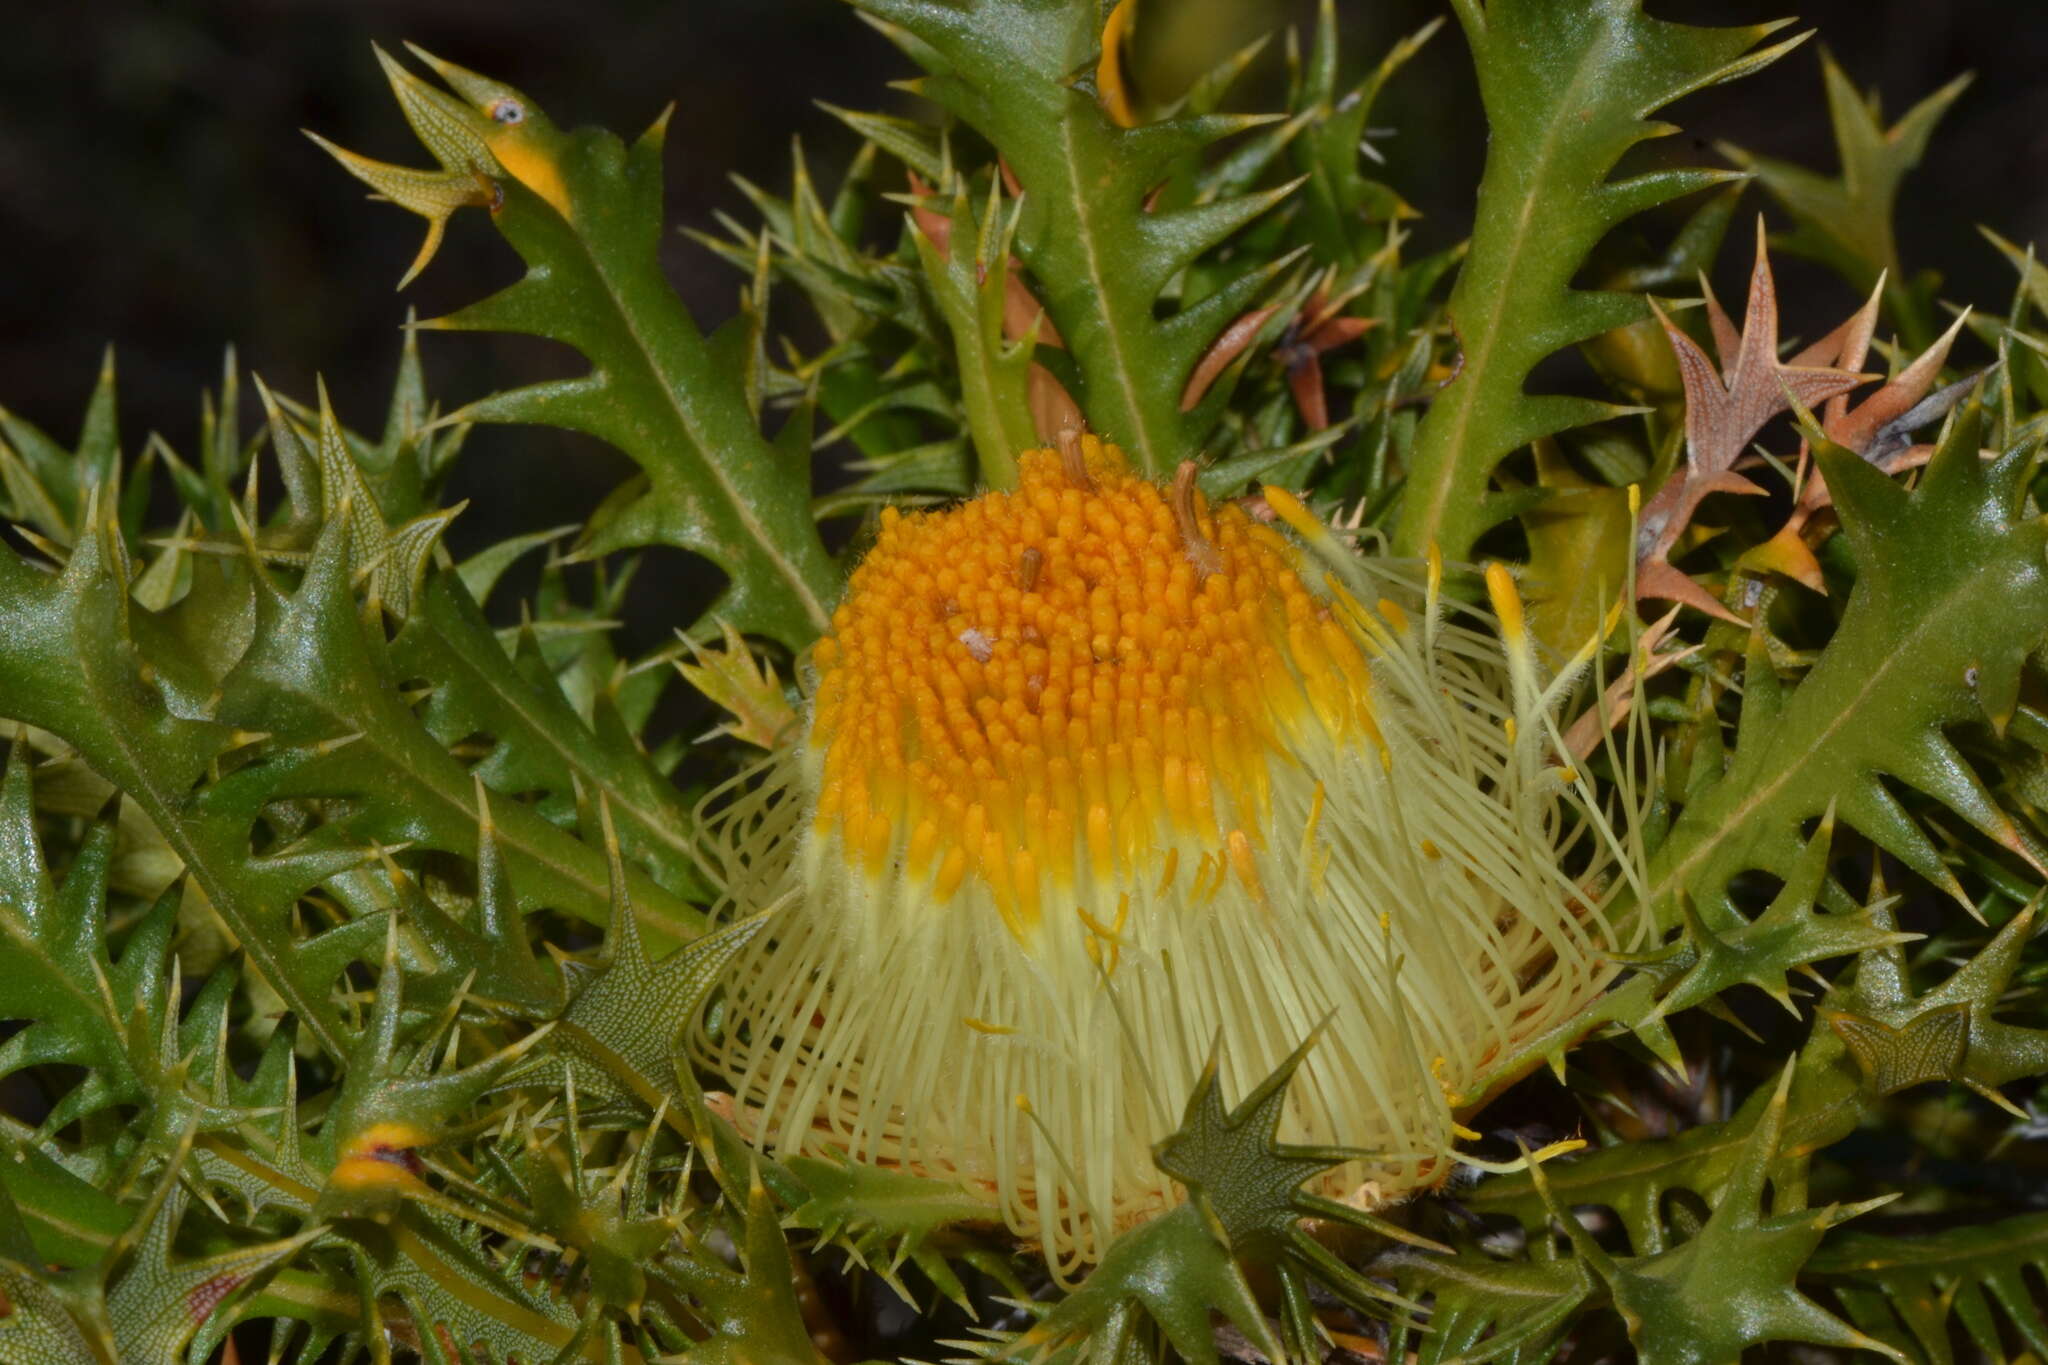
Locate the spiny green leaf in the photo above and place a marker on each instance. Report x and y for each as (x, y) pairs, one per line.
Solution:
(322, 677)
(969, 277)
(1901, 1037)
(540, 744)
(584, 212)
(157, 1303)
(1921, 1281)
(620, 1033)
(49, 487)
(1951, 589)
(72, 666)
(1567, 90)
(1174, 1271)
(1719, 953)
(1634, 1178)
(1733, 1284)
(1344, 212)
(885, 1218)
(1485, 1309)
(751, 1311)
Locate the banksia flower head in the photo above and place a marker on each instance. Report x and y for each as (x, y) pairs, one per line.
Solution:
(1098, 774)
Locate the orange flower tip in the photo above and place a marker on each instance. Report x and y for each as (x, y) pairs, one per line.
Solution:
(1507, 603)
(1110, 83)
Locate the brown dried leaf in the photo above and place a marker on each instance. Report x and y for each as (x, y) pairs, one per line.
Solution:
(1226, 348)
(1879, 429)
(744, 685)
(1724, 410)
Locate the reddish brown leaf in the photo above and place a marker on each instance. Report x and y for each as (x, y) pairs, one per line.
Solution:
(1226, 348)
(1879, 429)
(1054, 412)
(1724, 410)
(1338, 332)
(1305, 381)
(1021, 309)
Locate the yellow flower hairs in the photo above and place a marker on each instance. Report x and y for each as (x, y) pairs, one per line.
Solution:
(1097, 774)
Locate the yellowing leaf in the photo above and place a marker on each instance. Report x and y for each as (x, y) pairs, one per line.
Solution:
(744, 684)
(1578, 553)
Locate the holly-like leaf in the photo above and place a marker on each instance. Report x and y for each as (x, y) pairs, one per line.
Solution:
(887, 1218)
(1724, 410)
(584, 212)
(620, 1032)
(1928, 1047)
(1907, 1289)
(1245, 1205)
(73, 666)
(1900, 1038)
(48, 487)
(1879, 428)
(1951, 595)
(744, 686)
(1718, 953)
(751, 1311)
(1734, 1283)
(1483, 1309)
(157, 1303)
(1568, 89)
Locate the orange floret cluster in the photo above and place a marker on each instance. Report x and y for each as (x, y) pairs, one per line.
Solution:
(1054, 681)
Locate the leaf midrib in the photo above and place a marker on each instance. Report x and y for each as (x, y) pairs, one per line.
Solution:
(814, 608)
(1085, 240)
(1476, 361)
(224, 898)
(1873, 680)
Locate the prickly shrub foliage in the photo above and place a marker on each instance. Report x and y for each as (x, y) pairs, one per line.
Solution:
(1243, 824)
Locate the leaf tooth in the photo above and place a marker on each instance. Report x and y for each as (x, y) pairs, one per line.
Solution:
(1750, 62)
(1869, 503)
(522, 306)
(1936, 767)
(452, 133)
(1803, 881)
(1878, 816)
(1586, 313)
(1177, 238)
(1956, 468)
(433, 195)
(1619, 199)
(1996, 683)
(581, 403)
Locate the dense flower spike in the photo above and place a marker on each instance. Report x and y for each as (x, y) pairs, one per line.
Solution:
(1097, 771)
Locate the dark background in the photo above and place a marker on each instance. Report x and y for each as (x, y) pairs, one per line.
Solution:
(155, 190)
